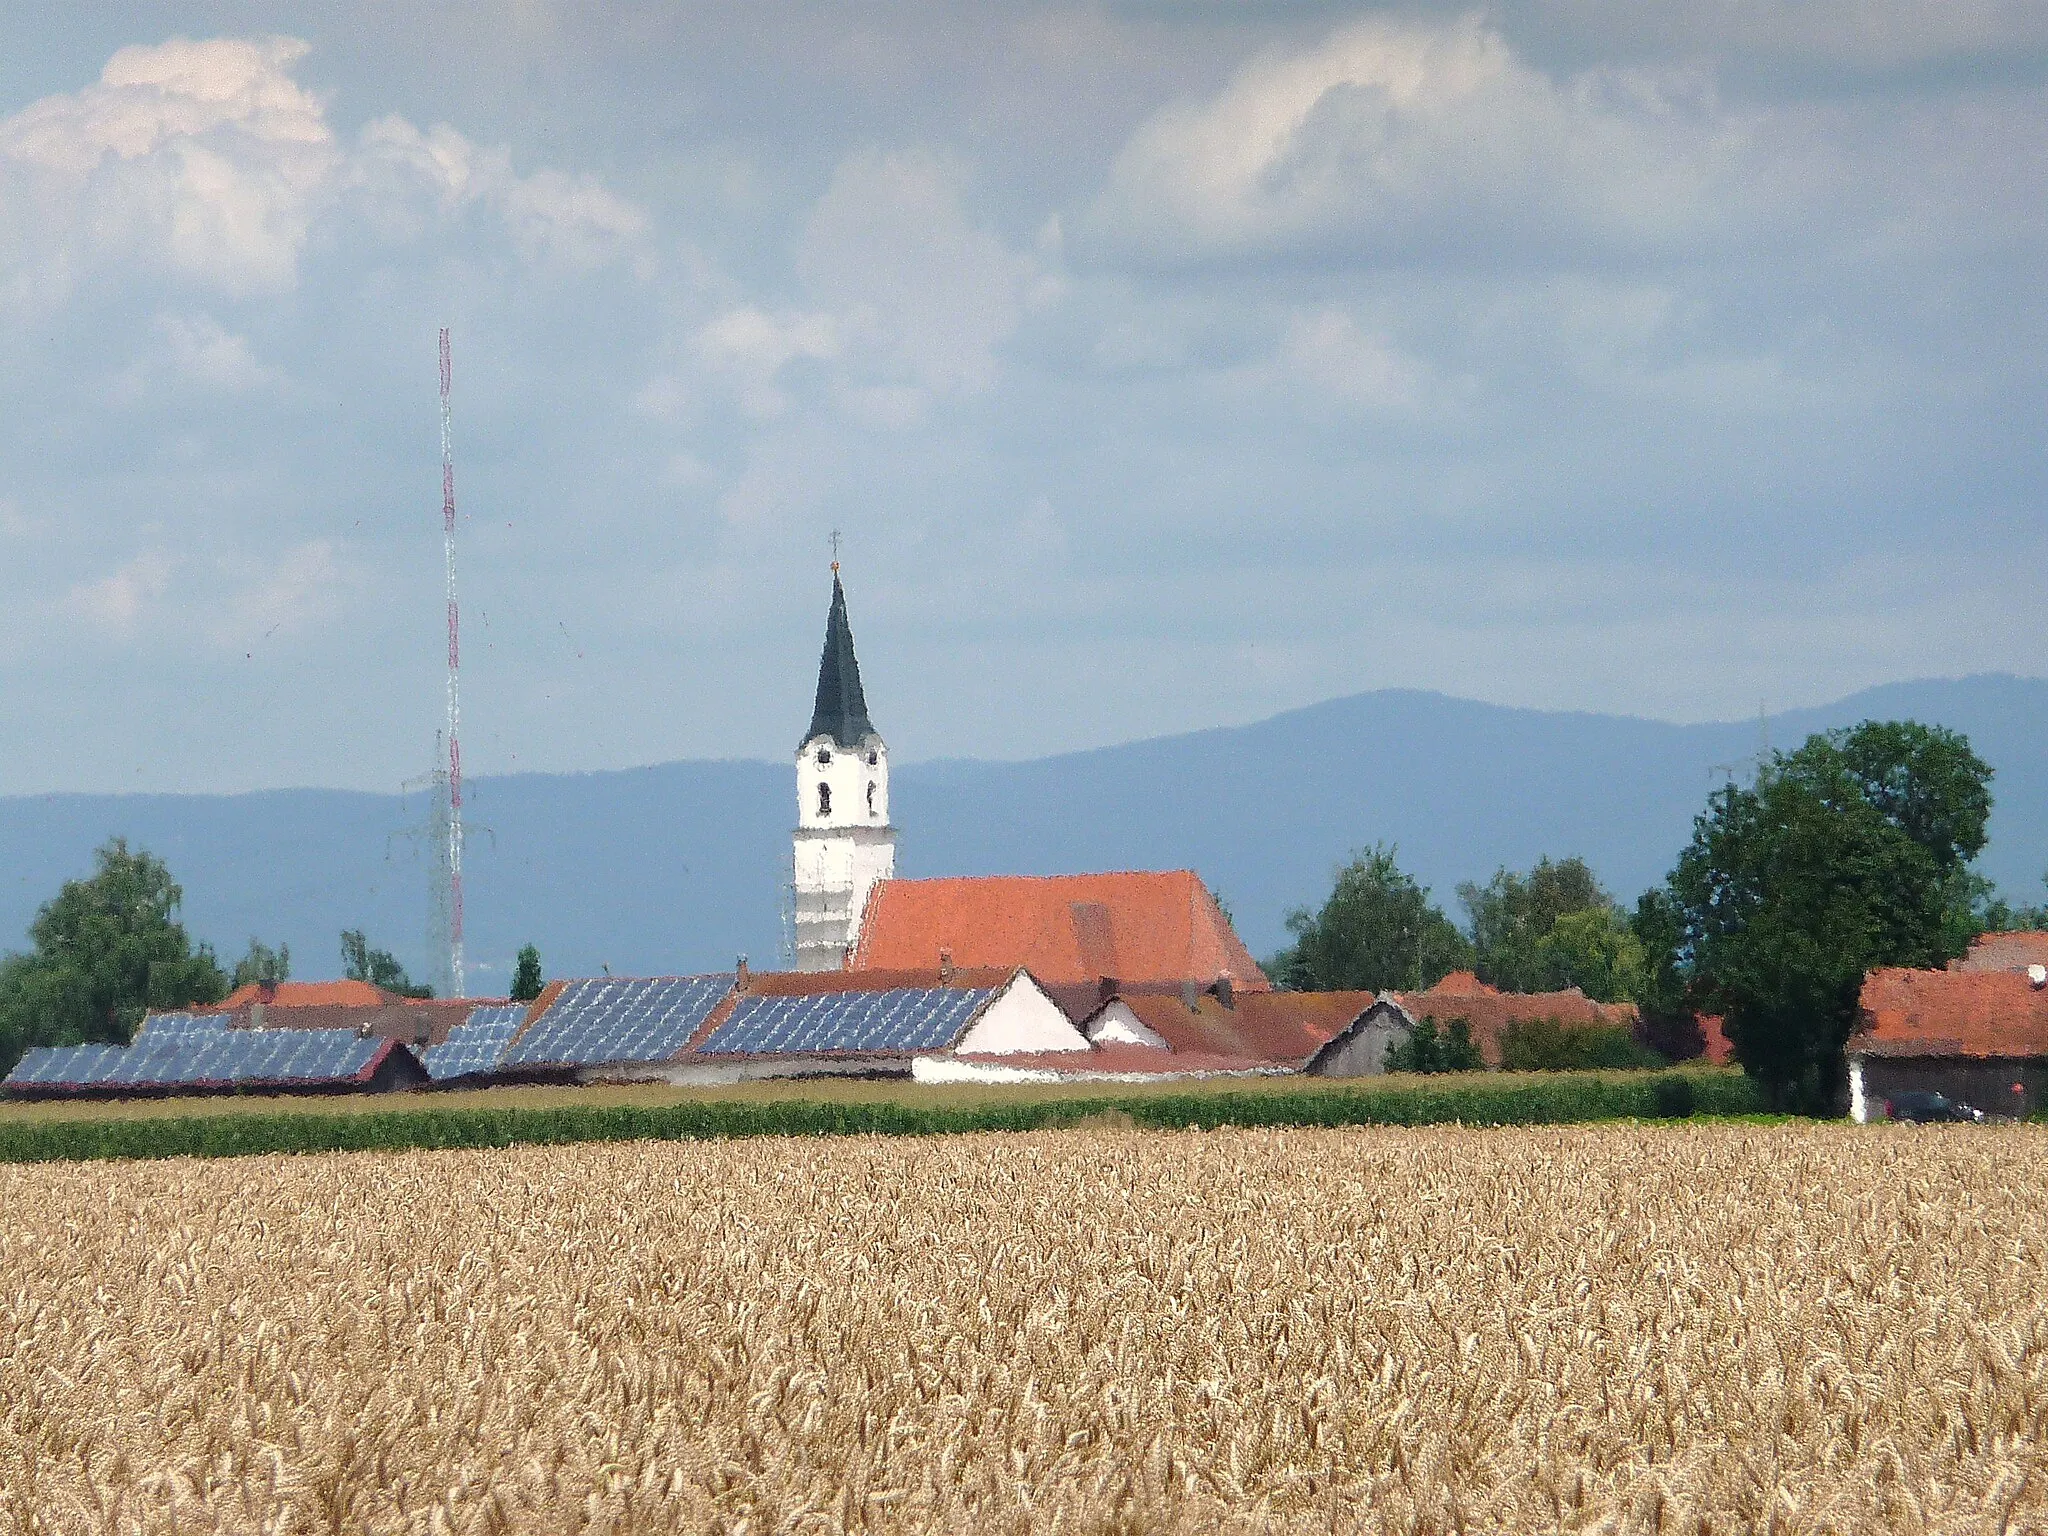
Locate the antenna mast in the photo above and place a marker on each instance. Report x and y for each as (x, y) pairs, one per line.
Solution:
(454, 691)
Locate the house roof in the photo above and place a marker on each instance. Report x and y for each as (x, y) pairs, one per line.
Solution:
(2004, 952)
(1263, 1027)
(1118, 1059)
(814, 983)
(1489, 1011)
(1147, 927)
(841, 710)
(1951, 1013)
(308, 994)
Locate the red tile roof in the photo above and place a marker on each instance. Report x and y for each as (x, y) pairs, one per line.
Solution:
(1489, 1011)
(815, 983)
(1065, 929)
(1274, 1028)
(1720, 1049)
(1951, 1013)
(2004, 952)
(307, 994)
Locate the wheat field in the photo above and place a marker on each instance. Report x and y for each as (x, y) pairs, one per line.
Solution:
(1696, 1329)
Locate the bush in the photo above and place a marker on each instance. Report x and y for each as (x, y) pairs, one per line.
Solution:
(1674, 1096)
(1550, 1045)
(1317, 1102)
(1424, 1050)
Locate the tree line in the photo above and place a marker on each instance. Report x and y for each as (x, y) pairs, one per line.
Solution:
(109, 948)
(1850, 852)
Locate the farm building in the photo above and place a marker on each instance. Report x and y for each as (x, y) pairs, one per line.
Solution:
(1147, 1034)
(1489, 1012)
(2004, 952)
(1979, 1036)
(1145, 929)
(196, 1053)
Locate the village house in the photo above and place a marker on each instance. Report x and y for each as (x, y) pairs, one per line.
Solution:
(1978, 1035)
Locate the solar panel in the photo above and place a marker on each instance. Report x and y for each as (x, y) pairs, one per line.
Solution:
(159, 1026)
(612, 1019)
(901, 1019)
(48, 1066)
(475, 1044)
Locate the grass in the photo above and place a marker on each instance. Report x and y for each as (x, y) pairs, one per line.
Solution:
(1706, 1328)
(508, 1116)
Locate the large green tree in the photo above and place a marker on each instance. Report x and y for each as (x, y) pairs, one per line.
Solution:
(526, 977)
(106, 950)
(1844, 855)
(1377, 932)
(1552, 928)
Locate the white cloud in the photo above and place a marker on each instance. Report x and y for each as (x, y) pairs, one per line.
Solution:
(1327, 352)
(206, 161)
(115, 604)
(194, 349)
(1395, 138)
(911, 298)
(295, 591)
(573, 220)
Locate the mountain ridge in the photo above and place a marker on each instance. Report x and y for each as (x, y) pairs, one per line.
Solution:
(676, 866)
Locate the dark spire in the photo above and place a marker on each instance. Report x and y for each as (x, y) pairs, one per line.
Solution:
(841, 711)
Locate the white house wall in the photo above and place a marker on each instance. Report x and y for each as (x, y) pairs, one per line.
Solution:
(1021, 1019)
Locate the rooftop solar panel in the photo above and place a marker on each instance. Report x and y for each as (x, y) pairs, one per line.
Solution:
(901, 1019)
(611, 1019)
(50, 1066)
(159, 1026)
(476, 1044)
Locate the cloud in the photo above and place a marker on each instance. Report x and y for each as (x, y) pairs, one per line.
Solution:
(297, 590)
(194, 349)
(207, 162)
(910, 298)
(115, 604)
(552, 216)
(1395, 139)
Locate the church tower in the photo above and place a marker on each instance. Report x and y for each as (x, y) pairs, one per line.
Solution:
(844, 842)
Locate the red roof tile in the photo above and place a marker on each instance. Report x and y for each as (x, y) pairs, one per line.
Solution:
(1065, 929)
(308, 994)
(815, 983)
(1951, 1013)
(1720, 1049)
(2004, 952)
(1489, 1011)
(1276, 1028)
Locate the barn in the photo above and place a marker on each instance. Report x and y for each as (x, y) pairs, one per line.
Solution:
(1978, 1036)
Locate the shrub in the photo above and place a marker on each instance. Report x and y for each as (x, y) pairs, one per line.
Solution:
(1550, 1045)
(1425, 1050)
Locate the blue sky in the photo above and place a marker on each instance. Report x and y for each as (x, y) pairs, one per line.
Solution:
(1165, 365)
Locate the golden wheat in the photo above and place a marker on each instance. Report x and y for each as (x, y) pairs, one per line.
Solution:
(1699, 1329)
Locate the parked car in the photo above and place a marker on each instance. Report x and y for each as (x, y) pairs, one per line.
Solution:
(1921, 1108)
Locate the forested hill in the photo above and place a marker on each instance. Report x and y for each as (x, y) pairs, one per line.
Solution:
(675, 867)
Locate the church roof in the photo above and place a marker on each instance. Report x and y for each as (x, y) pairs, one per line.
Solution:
(842, 710)
(1138, 927)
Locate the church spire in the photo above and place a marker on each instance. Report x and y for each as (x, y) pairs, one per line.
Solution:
(842, 710)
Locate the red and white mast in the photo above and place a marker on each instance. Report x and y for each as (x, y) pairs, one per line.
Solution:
(454, 690)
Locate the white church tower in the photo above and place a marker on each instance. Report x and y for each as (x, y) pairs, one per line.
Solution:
(844, 842)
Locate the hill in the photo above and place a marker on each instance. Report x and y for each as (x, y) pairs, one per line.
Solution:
(676, 866)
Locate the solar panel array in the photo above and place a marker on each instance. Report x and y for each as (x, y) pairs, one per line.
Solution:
(203, 1058)
(902, 1019)
(476, 1044)
(157, 1026)
(612, 1019)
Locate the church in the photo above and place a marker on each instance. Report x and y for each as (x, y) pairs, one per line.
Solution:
(1134, 930)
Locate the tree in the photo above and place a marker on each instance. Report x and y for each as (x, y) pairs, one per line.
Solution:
(1667, 1019)
(1844, 855)
(1512, 916)
(1377, 932)
(379, 967)
(1425, 1050)
(106, 950)
(1594, 950)
(526, 982)
(262, 963)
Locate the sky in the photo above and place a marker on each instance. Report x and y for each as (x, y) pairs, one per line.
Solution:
(1162, 365)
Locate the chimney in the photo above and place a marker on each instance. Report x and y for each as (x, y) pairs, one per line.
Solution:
(1191, 995)
(2037, 976)
(1224, 994)
(739, 978)
(945, 967)
(1105, 989)
(256, 1014)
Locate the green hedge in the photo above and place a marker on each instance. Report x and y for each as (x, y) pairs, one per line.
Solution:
(443, 1124)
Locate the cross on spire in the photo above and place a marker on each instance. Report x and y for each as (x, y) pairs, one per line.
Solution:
(835, 551)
